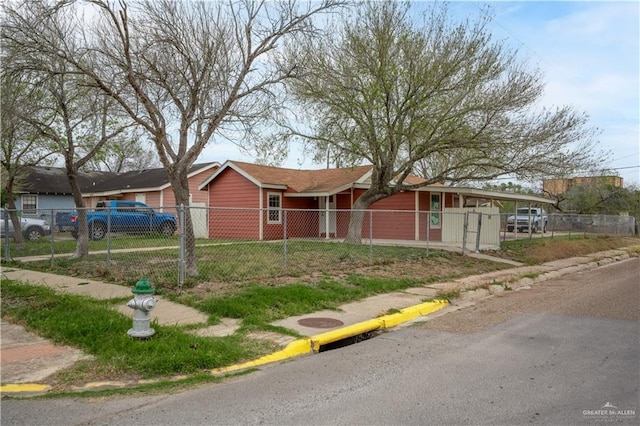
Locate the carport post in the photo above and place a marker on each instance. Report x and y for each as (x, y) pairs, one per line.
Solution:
(428, 228)
(515, 222)
(530, 219)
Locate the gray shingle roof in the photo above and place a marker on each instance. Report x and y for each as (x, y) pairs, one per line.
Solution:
(53, 180)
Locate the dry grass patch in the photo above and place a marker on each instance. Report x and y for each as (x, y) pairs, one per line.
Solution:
(537, 251)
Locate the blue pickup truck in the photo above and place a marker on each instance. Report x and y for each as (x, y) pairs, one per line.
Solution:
(128, 217)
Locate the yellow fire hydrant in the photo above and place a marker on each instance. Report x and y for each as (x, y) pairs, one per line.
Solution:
(142, 304)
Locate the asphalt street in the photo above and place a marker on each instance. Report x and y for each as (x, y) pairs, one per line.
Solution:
(566, 351)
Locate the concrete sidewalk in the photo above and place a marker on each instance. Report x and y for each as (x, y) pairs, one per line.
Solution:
(27, 359)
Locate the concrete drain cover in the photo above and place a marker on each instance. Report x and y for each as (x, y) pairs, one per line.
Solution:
(320, 322)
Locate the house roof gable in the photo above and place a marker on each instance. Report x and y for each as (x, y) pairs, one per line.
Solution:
(299, 181)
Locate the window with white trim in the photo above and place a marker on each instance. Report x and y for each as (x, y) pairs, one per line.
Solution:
(274, 207)
(29, 204)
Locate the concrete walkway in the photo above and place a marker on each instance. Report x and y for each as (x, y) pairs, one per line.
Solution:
(27, 358)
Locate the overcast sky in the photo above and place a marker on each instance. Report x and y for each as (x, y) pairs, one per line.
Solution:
(589, 55)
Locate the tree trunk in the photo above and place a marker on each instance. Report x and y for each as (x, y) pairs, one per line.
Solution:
(82, 245)
(371, 195)
(13, 215)
(180, 185)
(354, 234)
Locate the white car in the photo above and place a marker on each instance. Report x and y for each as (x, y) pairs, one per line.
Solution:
(32, 229)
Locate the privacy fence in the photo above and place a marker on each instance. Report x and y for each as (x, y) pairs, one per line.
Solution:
(232, 244)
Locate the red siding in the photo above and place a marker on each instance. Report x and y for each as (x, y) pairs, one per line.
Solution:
(394, 225)
(168, 197)
(302, 217)
(390, 225)
(153, 199)
(198, 196)
(343, 200)
(343, 205)
(230, 189)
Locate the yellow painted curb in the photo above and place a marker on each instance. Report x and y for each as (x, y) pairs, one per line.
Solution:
(23, 387)
(413, 312)
(295, 348)
(312, 344)
(344, 332)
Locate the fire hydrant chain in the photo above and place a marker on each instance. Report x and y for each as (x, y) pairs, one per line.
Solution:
(142, 304)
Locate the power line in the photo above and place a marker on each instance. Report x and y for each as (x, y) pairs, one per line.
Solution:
(624, 168)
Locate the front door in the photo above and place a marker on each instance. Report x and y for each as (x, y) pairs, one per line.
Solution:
(330, 219)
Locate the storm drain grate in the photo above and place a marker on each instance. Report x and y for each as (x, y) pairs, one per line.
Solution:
(320, 322)
(348, 341)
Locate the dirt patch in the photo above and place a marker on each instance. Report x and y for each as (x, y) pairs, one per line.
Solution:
(539, 251)
(209, 288)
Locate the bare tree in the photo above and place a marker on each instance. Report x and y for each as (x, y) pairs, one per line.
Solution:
(21, 145)
(386, 91)
(127, 153)
(186, 71)
(71, 109)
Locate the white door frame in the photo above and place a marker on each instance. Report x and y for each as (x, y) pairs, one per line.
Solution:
(327, 206)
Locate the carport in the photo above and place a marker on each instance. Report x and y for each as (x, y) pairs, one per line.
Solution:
(475, 215)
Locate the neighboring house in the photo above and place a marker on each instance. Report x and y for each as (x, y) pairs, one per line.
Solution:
(47, 189)
(151, 187)
(247, 200)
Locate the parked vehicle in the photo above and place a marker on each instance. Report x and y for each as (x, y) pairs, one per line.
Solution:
(526, 219)
(63, 222)
(32, 229)
(129, 217)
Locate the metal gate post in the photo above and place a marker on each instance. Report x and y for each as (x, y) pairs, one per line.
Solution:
(464, 231)
(478, 234)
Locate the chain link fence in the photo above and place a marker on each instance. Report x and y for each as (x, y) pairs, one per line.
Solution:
(568, 224)
(258, 245)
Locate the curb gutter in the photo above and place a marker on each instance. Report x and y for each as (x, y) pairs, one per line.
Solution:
(312, 344)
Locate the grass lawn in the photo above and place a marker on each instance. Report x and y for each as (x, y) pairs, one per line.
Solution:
(317, 276)
(239, 263)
